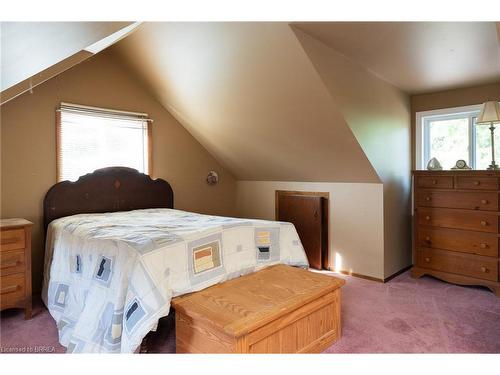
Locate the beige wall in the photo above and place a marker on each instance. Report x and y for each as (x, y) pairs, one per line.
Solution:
(356, 219)
(379, 116)
(449, 99)
(28, 158)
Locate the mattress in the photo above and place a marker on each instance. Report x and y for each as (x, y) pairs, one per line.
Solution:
(110, 277)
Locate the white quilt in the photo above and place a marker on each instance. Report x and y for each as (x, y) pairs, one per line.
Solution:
(109, 277)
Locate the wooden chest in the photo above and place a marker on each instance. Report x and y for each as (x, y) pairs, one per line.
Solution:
(280, 309)
(456, 226)
(15, 264)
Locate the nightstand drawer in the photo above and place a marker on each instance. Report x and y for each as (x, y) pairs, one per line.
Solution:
(462, 264)
(477, 183)
(12, 289)
(12, 262)
(15, 264)
(12, 239)
(437, 182)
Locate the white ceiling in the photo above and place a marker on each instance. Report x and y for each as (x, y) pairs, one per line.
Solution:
(32, 52)
(417, 56)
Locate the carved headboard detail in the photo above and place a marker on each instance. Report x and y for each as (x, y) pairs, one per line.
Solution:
(106, 190)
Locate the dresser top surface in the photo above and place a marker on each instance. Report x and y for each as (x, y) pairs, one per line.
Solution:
(14, 223)
(459, 172)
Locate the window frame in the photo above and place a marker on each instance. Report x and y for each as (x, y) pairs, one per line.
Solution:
(144, 116)
(422, 134)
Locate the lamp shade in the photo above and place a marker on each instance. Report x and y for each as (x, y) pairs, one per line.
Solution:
(490, 112)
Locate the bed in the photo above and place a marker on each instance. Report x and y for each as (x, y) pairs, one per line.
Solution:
(117, 253)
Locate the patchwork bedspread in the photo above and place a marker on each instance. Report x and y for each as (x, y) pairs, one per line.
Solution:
(109, 277)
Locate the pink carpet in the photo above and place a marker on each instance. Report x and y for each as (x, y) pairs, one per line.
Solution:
(402, 316)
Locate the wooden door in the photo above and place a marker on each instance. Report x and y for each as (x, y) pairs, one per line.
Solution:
(309, 215)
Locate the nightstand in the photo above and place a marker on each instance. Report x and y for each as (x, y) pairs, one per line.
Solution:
(15, 265)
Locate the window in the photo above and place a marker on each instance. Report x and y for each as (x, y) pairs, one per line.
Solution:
(90, 138)
(452, 134)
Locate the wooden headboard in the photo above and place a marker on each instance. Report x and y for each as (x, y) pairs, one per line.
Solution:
(106, 190)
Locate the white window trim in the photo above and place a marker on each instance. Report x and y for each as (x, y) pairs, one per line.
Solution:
(419, 128)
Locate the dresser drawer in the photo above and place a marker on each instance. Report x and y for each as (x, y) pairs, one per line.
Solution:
(458, 219)
(12, 239)
(12, 289)
(438, 182)
(480, 200)
(463, 264)
(463, 241)
(477, 183)
(12, 262)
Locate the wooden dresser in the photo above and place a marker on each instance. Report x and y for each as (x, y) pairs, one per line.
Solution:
(15, 265)
(456, 226)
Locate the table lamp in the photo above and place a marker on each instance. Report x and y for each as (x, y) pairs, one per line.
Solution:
(490, 113)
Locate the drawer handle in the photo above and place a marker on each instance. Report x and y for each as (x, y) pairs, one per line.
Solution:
(434, 182)
(484, 201)
(484, 223)
(9, 289)
(427, 217)
(10, 264)
(428, 199)
(476, 183)
(484, 269)
(483, 246)
(8, 241)
(428, 239)
(427, 259)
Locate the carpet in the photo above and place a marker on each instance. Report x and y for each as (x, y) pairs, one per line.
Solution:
(404, 315)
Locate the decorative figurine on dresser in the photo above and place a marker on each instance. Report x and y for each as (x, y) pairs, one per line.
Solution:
(456, 226)
(15, 265)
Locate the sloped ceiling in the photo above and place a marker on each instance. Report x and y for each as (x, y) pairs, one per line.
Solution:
(32, 52)
(249, 93)
(379, 116)
(417, 56)
(377, 112)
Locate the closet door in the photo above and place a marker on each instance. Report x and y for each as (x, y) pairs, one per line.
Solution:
(309, 215)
